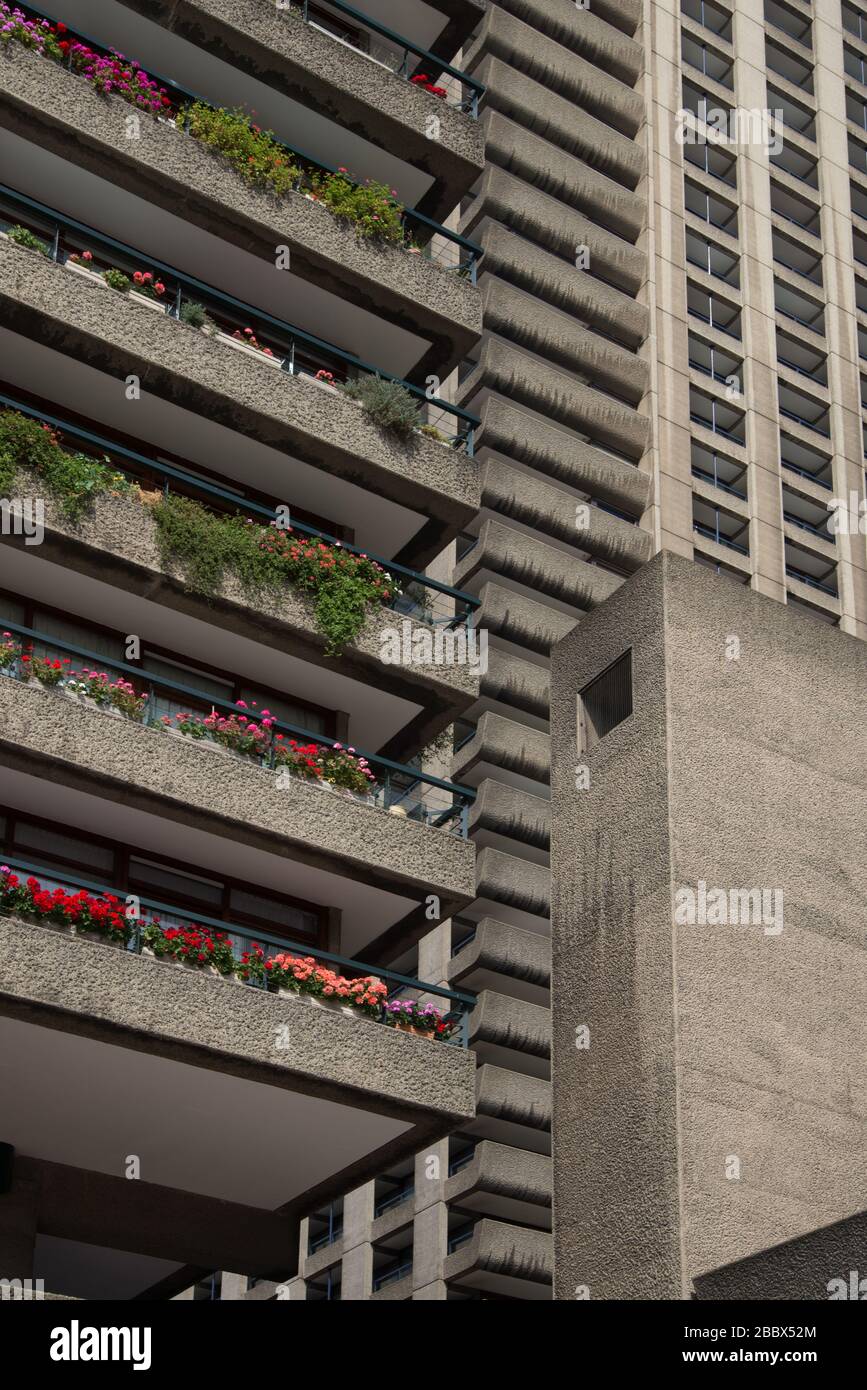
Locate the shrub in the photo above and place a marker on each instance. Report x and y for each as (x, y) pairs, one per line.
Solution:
(387, 403)
(252, 152)
(116, 280)
(22, 236)
(71, 477)
(372, 208)
(265, 558)
(195, 315)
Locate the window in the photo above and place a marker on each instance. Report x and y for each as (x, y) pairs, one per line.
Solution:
(605, 702)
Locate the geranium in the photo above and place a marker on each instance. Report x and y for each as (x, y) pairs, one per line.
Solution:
(103, 913)
(193, 945)
(47, 670)
(10, 651)
(317, 762)
(410, 1013)
(371, 207)
(422, 80)
(98, 686)
(305, 975)
(249, 337)
(36, 34)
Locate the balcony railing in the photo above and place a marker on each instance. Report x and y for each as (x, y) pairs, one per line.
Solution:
(386, 47)
(290, 348)
(422, 598)
(456, 1005)
(458, 254)
(805, 578)
(398, 788)
(720, 537)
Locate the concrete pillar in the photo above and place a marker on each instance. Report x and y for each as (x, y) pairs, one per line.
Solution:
(18, 1218)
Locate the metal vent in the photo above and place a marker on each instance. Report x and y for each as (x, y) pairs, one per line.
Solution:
(605, 702)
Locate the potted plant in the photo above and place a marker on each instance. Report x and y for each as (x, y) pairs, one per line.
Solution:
(411, 1016)
(190, 947)
(245, 340)
(81, 262)
(148, 289)
(44, 671)
(10, 654)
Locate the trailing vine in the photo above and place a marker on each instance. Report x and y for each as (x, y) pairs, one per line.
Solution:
(343, 586)
(74, 479)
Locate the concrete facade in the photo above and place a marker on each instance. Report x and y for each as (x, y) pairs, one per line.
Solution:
(719, 1109)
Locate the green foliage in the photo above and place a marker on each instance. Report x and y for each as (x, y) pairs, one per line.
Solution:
(371, 207)
(195, 314)
(387, 403)
(342, 586)
(22, 236)
(433, 433)
(74, 479)
(116, 280)
(252, 152)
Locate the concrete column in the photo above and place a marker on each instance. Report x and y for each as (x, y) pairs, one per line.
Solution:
(18, 1218)
(357, 1271)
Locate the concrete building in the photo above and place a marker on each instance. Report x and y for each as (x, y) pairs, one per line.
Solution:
(627, 346)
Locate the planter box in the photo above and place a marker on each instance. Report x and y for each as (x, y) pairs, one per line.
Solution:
(88, 274)
(245, 347)
(158, 304)
(100, 940)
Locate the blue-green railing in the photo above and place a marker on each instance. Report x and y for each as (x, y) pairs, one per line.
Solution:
(457, 1004)
(399, 788)
(422, 597)
(397, 51)
(457, 253)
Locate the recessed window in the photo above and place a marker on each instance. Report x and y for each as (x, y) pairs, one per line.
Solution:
(605, 702)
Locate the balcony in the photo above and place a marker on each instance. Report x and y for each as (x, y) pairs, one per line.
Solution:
(185, 182)
(302, 77)
(239, 367)
(119, 542)
(122, 1040)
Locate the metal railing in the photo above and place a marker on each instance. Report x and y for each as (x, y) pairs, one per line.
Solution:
(457, 1003)
(720, 537)
(391, 1274)
(426, 599)
(386, 46)
(297, 352)
(458, 253)
(811, 477)
(399, 788)
(805, 578)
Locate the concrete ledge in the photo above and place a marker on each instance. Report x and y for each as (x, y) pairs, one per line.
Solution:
(550, 570)
(515, 882)
(502, 1257)
(560, 395)
(559, 120)
(530, 438)
(505, 1172)
(530, 499)
(507, 811)
(62, 113)
(508, 745)
(560, 69)
(513, 1099)
(600, 34)
(84, 320)
(92, 990)
(552, 223)
(551, 277)
(522, 620)
(334, 80)
(501, 949)
(116, 543)
(520, 317)
(195, 784)
(522, 684)
(511, 1023)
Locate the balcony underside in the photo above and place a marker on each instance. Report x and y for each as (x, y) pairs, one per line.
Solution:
(117, 1055)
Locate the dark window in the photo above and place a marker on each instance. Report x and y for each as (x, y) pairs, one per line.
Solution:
(605, 702)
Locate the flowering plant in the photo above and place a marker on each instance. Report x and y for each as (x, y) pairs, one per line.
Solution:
(410, 1013)
(47, 670)
(112, 74)
(193, 945)
(422, 80)
(36, 34)
(193, 725)
(371, 207)
(83, 258)
(247, 336)
(81, 911)
(98, 686)
(320, 763)
(252, 152)
(116, 280)
(304, 975)
(10, 651)
(144, 283)
(327, 377)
